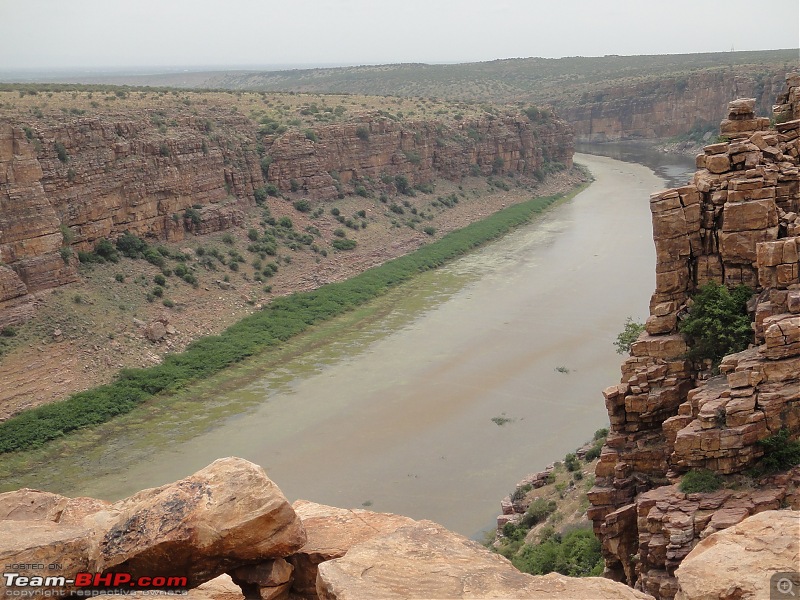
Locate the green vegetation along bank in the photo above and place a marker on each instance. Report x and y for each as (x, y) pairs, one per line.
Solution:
(283, 318)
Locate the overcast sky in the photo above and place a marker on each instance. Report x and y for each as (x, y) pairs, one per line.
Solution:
(154, 33)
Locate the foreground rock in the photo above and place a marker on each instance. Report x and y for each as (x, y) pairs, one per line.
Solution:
(739, 561)
(425, 560)
(331, 532)
(224, 516)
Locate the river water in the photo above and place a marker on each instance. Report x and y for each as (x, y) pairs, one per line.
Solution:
(434, 405)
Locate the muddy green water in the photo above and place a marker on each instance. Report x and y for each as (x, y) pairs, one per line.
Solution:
(391, 407)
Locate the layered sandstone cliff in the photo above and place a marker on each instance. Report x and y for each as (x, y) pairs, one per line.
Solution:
(67, 182)
(735, 223)
(668, 106)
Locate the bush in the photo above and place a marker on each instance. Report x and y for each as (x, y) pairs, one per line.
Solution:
(271, 189)
(402, 185)
(538, 512)
(362, 133)
(343, 244)
(629, 334)
(310, 135)
(260, 195)
(700, 480)
(717, 323)
(8, 331)
(61, 152)
(780, 454)
(154, 257)
(575, 554)
(168, 303)
(160, 280)
(131, 245)
(429, 230)
(302, 206)
(285, 222)
(105, 249)
(119, 278)
(265, 163)
(294, 185)
(571, 462)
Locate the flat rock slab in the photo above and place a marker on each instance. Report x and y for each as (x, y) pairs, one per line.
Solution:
(426, 561)
(739, 561)
(331, 532)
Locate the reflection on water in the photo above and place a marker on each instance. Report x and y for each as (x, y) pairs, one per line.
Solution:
(677, 169)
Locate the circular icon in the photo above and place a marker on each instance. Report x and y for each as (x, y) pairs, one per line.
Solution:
(785, 586)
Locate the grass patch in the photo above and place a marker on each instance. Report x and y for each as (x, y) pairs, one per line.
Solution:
(700, 480)
(281, 320)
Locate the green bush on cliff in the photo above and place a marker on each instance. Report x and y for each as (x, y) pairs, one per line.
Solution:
(575, 553)
(280, 320)
(700, 480)
(717, 323)
(629, 334)
(780, 453)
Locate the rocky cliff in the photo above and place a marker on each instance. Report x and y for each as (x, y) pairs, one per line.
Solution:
(668, 106)
(735, 223)
(67, 182)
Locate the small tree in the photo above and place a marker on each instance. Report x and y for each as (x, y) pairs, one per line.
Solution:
(718, 323)
(628, 336)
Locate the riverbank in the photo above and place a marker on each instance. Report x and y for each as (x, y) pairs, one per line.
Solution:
(441, 395)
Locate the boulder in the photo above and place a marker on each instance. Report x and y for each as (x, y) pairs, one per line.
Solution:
(738, 562)
(224, 516)
(331, 532)
(425, 560)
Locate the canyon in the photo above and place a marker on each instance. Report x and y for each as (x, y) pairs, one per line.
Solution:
(67, 183)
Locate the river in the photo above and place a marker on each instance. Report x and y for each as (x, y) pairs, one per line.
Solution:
(435, 404)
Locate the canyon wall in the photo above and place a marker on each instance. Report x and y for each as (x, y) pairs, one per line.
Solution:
(668, 106)
(735, 223)
(67, 182)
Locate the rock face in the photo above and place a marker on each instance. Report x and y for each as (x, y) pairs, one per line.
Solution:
(735, 223)
(666, 107)
(331, 532)
(229, 517)
(224, 516)
(66, 182)
(427, 561)
(739, 562)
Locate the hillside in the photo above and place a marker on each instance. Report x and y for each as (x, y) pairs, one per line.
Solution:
(223, 201)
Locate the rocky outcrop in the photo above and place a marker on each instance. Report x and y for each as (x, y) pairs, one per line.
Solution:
(229, 517)
(67, 182)
(425, 560)
(735, 223)
(745, 561)
(330, 533)
(668, 106)
(224, 516)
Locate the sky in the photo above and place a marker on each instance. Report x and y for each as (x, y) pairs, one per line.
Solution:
(95, 34)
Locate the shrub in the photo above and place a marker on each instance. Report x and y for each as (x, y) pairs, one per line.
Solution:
(302, 206)
(252, 234)
(310, 135)
(105, 249)
(8, 331)
(498, 164)
(780, 454)
(192, 215)
(154, 257)
(571, 462)
(429, 230)
(339, 233)
(294, 185)
(285, 222)
(717, 323)
(361, 191)
(131, 245)
(227, 239)
(343, 244)
(119, 278)
(700, 480)
(160, 280)
(260, 195)
(538, 512)
(168, 303)
(272, 189)
(61, 152)
(575, 554)
(362, 132)
(629, 334)
(265, 163)
(66, 254)
(402, 185)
